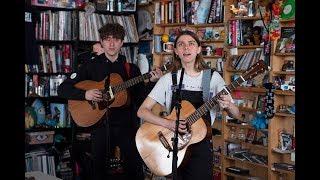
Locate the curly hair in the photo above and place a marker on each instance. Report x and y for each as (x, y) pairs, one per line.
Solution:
(112, 29)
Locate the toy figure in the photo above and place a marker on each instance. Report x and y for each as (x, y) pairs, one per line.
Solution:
(276, 8)
(242, 9)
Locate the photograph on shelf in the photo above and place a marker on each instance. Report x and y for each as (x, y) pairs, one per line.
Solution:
(129, 5)
(285, 141)
(251, 134)
(286, 43)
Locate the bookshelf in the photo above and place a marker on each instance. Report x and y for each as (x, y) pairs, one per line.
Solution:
(282, 120)
(61, 31)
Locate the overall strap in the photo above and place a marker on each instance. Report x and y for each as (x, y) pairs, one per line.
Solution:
(206, 77)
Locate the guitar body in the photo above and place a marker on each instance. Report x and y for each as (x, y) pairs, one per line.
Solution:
(83, 112)
(151, 148)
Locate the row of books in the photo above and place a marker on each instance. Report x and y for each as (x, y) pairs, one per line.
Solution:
(56, 3)
(243, 62)
(38, 86)
(190, 12)
(40, 161)
(251, 157)
(243, 32)
(58, 58)
(89, 25)
(55, 25)
(131, 53)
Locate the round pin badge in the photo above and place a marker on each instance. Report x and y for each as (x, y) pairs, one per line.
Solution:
(73, 75)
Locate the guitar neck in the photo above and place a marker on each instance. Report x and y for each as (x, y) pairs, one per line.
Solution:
(131, 82)
(213, 101)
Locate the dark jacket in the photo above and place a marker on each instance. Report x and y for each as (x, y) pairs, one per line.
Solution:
(97, 70)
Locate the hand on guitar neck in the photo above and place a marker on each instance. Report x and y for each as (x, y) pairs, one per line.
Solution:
(155, 75)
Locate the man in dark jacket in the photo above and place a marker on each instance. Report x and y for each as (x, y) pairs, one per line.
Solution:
(119, 125)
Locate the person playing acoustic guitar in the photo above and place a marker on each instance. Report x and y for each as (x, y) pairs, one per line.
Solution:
(118, 125)
(198, 163)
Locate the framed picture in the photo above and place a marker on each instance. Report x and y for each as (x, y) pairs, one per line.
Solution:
(129, 5)
(285, 141)
(251, 134)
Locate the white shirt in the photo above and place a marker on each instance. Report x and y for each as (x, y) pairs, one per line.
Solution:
(162, 92)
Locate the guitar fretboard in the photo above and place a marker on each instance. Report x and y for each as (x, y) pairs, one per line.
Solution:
(135, 81)
(213, 101)
(130, 83)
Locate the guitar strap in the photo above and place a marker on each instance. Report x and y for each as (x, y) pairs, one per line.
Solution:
(127, 67)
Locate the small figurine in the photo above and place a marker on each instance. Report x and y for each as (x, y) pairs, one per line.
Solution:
(276, 8)
(242, 9)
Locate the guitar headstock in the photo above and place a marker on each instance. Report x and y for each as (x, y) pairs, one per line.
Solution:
(167, 66)
(256, 69)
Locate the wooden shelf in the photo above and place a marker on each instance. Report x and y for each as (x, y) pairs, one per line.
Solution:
(205, 25)
(251, 89)
(248, 144)
(284, 114)
(287, 20)
(284, 72)
(216, 168)
(284, 54)
(282, 152)
(246, 47)
(237, 176)
(249, 47)
(54, 42)
(235, 71)
(171, 25)
(244, 18)
(283, 171)
(48, 74)
(245, 161)
(212, 41)
(247, 109)
(284, 92)
(214, 57)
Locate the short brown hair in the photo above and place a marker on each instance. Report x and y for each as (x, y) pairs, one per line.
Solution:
(199, 63)
(112, 29)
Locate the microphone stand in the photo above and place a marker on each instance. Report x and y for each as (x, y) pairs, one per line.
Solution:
(177, 105)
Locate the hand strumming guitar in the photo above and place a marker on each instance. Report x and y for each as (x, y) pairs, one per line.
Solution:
(93, 95)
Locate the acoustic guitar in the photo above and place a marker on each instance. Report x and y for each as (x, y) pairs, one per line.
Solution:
(86, 113)
(154, 142)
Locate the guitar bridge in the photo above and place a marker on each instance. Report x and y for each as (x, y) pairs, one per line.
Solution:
(164, 141)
